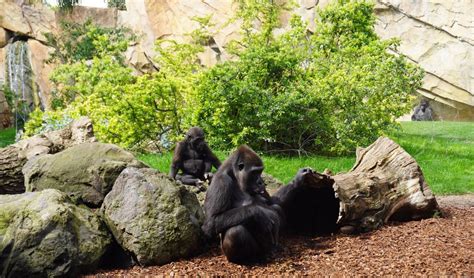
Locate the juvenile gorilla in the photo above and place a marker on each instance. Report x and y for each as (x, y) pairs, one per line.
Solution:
(240, 210)
(194, 158)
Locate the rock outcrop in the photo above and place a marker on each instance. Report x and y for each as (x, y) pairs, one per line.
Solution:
(42, 234)
(152, 217)
(14, 157)
(86, 172)
(27, 20)
(437, 35)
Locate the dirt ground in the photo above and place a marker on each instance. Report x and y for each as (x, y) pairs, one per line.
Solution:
(432, 247)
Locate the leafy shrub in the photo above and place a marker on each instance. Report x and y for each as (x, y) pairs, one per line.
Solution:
(82, 41)
(296, 92)
(329, 91)
(124, 109)
(119, 4)
(40, 122)
(67, 5)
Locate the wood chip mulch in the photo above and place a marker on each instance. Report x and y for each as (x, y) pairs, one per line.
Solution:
(431, 247)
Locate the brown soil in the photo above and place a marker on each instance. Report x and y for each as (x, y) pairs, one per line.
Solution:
(431, 247)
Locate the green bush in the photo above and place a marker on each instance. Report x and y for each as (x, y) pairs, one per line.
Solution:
(79, 41)
(329, 91)
(125, 109)
(119, 4)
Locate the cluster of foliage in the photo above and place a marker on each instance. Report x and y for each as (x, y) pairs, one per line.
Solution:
(95, 82)
(119, 4)
(327, 91)
(67, 5)
(330, 91)
(83, 41)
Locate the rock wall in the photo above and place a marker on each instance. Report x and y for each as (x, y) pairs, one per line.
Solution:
(436, 34)
(439, 36)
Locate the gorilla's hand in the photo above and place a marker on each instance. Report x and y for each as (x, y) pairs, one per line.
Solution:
(208, 176)
(301, 175)
(208, 228)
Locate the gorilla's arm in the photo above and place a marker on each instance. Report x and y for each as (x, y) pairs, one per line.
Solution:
(211, 160)
(220, 211)
(177, 162)
(286, 194)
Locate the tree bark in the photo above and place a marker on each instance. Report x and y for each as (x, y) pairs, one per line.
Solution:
(14, 157)
(10, 171)
(386, 183)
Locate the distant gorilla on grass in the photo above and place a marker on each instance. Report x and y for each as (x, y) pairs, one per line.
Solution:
(249, 220)
(193, 158)
(423, 112)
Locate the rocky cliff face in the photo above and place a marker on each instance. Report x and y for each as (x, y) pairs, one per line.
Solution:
(438, 35)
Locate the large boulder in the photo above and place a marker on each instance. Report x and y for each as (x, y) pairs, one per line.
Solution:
(152, 217)
(42, 234)
(14, 157)
(86, 172)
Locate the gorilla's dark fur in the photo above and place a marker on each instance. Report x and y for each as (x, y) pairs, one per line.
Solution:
(194, 158)
(248, 219)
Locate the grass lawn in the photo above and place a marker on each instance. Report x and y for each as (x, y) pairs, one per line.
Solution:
(7, 137)
(283, 168)
(444, 150)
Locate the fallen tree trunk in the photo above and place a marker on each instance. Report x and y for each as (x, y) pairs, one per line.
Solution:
(10, 171)
(385, 184)
(14, 157)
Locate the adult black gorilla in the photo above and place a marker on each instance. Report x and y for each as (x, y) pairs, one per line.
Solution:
(241, 211)
(194, 158)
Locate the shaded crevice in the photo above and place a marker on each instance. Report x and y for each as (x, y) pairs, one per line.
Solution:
(314, 210)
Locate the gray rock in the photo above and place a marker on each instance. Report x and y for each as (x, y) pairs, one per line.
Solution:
(271, 182)
(86, 172)
(152, 217)
(43, 234)
(200, 190)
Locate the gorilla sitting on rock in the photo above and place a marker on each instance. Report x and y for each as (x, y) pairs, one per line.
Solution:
(194, 158)
(249, 221)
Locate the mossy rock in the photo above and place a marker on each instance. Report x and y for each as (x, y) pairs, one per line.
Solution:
(86, 172)
(43, 234)
(271, 182)
(152, 217)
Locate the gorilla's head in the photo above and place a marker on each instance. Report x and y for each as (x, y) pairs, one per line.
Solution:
(195, 138)
(247, 168)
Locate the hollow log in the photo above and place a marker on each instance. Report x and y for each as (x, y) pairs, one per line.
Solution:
(14, 157)
(385, 184)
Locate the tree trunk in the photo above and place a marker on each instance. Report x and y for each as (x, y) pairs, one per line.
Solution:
(14, 157)
(385, 184)
(10, 171)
